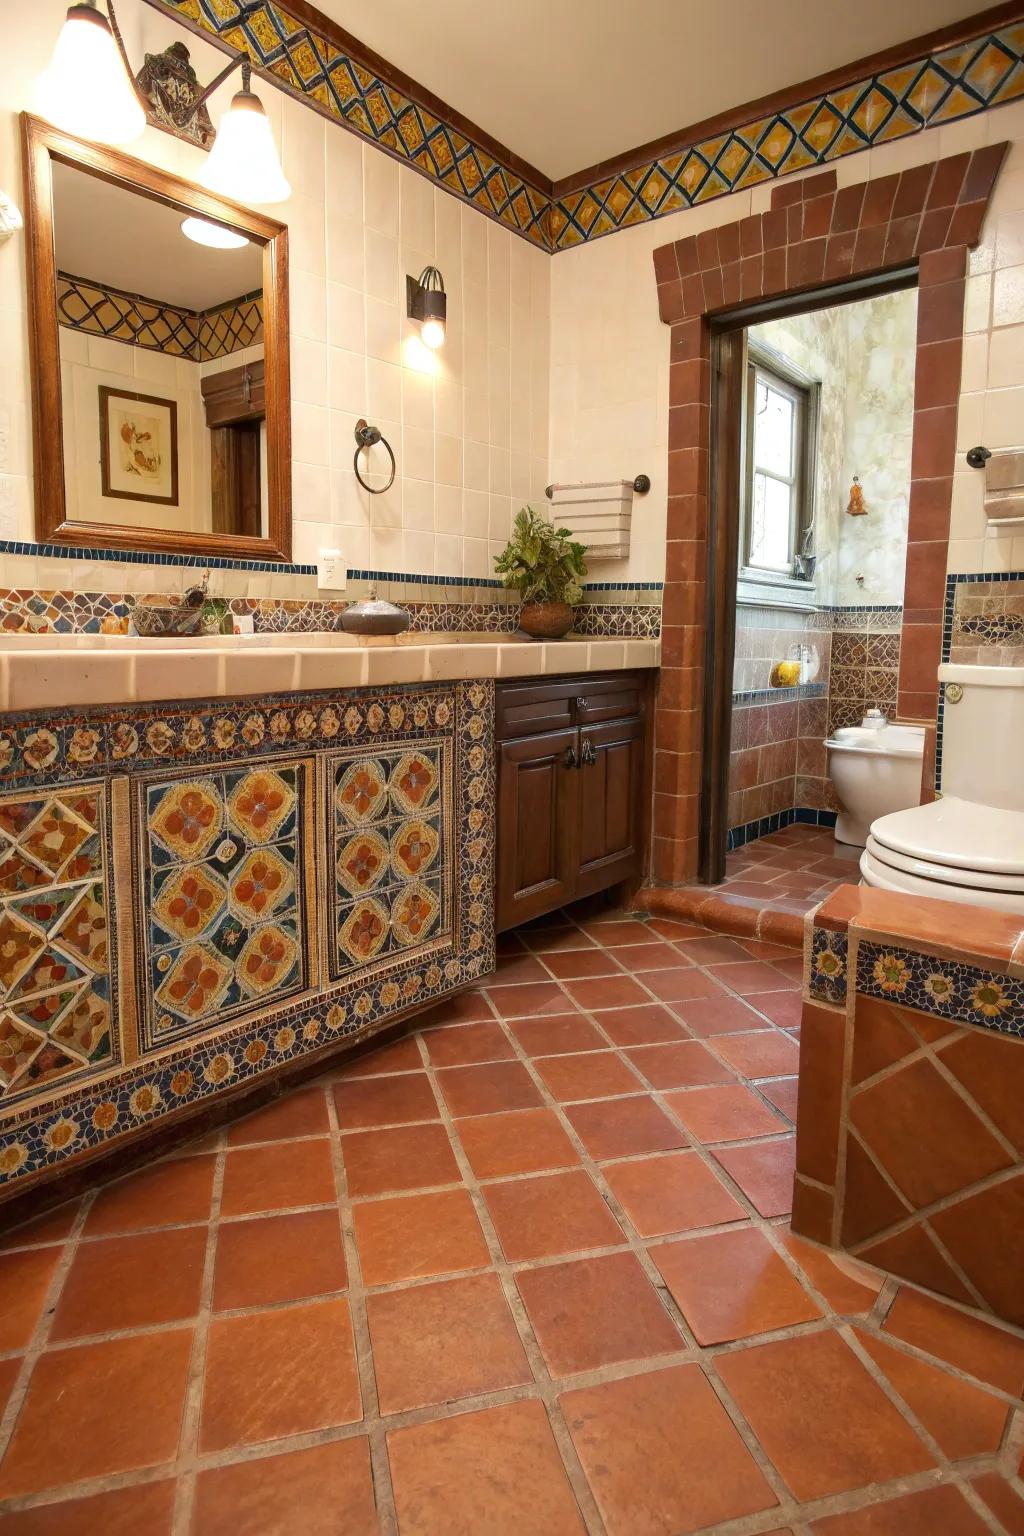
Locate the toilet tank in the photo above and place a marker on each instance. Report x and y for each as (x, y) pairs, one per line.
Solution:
(983, 735)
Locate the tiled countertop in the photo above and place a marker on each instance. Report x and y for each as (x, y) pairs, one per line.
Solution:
(49, 671)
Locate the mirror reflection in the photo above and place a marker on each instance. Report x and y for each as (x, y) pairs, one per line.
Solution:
(161, 358)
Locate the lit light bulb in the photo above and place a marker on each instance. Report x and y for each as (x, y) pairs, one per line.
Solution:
(86, 89)
(244, 162)
(214, 235)
(432, 333)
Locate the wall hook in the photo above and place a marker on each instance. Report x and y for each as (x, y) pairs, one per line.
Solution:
(978, 457)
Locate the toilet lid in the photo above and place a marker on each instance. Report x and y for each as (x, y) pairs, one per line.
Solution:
(954, 834)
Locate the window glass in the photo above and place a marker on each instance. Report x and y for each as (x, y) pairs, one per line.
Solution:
(773, 430)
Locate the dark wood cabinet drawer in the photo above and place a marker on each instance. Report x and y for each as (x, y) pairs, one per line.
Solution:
(530, 709)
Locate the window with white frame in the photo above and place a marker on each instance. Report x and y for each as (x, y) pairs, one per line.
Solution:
(781, 414)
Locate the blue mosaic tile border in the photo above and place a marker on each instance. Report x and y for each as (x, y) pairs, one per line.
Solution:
(804, 816)
(946, 989)
(827, 965)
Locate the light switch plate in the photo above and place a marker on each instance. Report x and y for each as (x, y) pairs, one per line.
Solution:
(331, 574)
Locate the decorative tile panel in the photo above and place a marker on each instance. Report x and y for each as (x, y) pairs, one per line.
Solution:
(222, 921)
(947, 989)
(55, 945)
(826, 965)
(196, 335)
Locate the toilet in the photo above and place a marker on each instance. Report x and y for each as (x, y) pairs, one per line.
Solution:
(969, 844)
(875, 769)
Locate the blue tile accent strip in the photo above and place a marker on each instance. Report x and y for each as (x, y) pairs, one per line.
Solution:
(947, 989)
(806, 816)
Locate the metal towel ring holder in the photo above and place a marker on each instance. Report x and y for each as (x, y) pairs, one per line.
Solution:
(368, 437)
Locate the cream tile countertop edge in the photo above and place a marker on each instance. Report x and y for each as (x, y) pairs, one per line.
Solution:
(51, 672)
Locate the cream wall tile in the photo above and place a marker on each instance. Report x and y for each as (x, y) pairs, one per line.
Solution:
(380, 191)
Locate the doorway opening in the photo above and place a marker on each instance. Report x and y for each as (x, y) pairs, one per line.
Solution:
(812, 432)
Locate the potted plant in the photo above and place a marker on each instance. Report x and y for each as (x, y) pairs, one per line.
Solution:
(546, 566)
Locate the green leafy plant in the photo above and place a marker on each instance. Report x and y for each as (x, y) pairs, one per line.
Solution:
(543, 562)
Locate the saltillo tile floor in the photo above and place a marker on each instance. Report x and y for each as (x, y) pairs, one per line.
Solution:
(789, 871)
(527, 1269)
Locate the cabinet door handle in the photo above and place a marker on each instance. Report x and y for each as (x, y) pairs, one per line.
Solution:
(581, 705)
(570, 758)
(589, 756)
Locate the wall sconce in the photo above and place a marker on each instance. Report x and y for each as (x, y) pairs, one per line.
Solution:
(427, 302)
(10, 217)
(89, 90)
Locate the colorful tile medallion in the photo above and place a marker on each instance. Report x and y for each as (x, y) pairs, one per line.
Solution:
(826, 964)
(222, 919)
(392, 876)
(55, 993)
(411, 730)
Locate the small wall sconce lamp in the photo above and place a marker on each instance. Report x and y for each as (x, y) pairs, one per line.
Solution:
(10, 217)
(427, 302)
(89, 89)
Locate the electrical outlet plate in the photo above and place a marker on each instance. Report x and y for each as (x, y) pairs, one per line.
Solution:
(331, 575)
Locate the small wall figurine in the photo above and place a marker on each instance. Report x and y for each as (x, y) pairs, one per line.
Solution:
(856, 507)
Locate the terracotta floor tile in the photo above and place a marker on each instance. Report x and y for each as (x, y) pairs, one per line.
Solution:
(516, 970)
(673, 929)
(751, 976)
(972, 1345)
(594, 1312)
(624, 1127)
(466, 1008)
(964, 1419)
(403, 1157)
(373, 1101)
(278, 1258)
(466, 1474)
(577, 964)
(721, 1015)
(764, 1173)
(849, 1288)
(637, 959)
(51, 1227)
(409, 1237)
(556, 940)
(606, 992)
(713, 949)
(682, 985)
(298, 1113)
(284, 1372)
(524, 1141)
(326, 1490)
(724, 1112)
(271, 1178)
(611, 931)
(134, 1281)
(671, 1194)
(164, 1195)
(396, 1056)
(731, 1285)
(590, 1075)
(557, 1035)
(109, 1407)
(822, 1419)
(488, 1090)
(444, 1341)
(783, 1008)
(932, 1512)
(147, 1508)
(648, 1024)
(561, 1213)
(782, 1093)
(529, 1002)
(459, 1045)
(685, 1065)
(764, 1053)
(24, 1281)
(628, 1435)
(1002, 1500)
(9, 1371)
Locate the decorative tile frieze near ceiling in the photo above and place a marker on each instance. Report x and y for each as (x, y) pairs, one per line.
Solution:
(939, 87)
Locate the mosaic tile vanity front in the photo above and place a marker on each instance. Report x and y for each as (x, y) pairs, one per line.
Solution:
(159, 874)
(910, 1137)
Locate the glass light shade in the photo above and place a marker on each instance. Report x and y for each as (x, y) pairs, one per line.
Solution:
(244, 162)
(432, 333)
(214, 235)
(86, 89)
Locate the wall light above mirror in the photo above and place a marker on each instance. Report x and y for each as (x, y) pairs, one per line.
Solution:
(160, 350)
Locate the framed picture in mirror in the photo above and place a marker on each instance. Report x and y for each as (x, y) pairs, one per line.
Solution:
(159, 333)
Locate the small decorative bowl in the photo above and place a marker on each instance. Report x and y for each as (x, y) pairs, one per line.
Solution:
(155, 619)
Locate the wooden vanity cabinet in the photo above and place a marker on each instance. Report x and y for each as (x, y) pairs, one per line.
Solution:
(572, 790)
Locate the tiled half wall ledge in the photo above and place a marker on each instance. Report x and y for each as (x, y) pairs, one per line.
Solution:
(910, 1125)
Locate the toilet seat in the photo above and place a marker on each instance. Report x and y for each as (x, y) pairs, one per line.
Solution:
(952, 848)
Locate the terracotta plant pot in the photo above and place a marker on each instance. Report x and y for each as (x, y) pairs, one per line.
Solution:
(546, 621)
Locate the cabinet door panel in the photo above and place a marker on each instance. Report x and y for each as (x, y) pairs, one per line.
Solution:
(609, 790)
(536, 826)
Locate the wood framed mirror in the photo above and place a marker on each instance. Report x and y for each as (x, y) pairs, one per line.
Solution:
(161, 402)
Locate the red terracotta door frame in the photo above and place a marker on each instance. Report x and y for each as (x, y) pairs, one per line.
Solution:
(812, 239)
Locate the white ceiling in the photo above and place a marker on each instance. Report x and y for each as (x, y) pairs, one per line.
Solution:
(566, 83)
(128, 241)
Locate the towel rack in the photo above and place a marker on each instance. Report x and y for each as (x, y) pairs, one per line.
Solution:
(368, 437)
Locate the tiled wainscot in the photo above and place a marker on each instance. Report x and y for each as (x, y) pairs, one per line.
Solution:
(161, 875)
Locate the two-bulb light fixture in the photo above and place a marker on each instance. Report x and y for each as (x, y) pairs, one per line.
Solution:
(89, 90)
(427, 302)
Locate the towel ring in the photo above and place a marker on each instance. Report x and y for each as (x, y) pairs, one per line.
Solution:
(368, 437)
